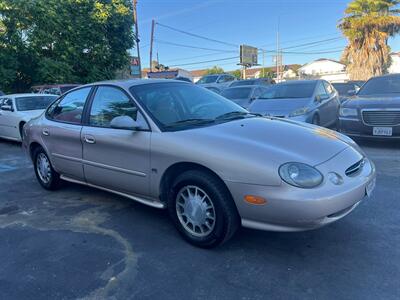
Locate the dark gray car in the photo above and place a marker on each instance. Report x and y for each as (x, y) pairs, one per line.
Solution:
(243, 95)
(374, 110)
(311, 101)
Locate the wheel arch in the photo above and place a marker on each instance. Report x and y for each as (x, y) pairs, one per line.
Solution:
(174, 170)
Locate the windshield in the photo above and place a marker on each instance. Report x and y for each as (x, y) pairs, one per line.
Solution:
(179, 105)
(243, 82)
(381, 85)
(344, 88)
(33, 102)
(208, 79)
(293, 90)
(236, 93)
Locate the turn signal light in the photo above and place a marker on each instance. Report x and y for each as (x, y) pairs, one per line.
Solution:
(255, 200)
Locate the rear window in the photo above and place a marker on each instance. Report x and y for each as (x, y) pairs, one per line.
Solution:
(208, 79)
(344, 88)
(381, 85)
(33, 102)
(236, 93)
(293, 90)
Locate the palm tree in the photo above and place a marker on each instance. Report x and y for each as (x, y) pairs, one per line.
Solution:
(368, 24)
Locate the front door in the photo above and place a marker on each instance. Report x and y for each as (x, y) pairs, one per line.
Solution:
(118, 159)
(61, 133)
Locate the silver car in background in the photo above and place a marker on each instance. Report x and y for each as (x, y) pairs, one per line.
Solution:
(244, 95)
(216, 82)
(211, 163)
(310, 101)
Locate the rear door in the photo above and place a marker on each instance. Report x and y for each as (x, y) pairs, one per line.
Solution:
(118, 159)
(61, 133)
(322, 102)
(334, 103)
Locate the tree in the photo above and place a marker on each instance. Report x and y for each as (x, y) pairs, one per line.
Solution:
(237, 74)
(65, 41)
(367, 25)
(215, 70)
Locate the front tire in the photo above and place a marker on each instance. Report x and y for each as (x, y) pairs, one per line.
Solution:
(45, 174)
(202, 209)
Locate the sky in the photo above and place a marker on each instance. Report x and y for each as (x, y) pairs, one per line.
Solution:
(307, 31)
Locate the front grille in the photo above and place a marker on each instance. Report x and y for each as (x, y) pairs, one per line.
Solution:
(355, 169)
(381, 117)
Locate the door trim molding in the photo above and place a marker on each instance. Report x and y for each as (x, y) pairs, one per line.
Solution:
(100, 165)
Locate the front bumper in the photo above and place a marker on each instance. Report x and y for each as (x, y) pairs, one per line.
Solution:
(293, 209)
(356, 128)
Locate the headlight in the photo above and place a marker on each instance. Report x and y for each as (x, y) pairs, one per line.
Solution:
(300, 175)
(299, 112)
(348, 112)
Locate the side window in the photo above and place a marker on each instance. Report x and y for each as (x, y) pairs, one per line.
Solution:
(70, 108)
(329, 89)
(257, 93)
(108, 103)
(321, 92)
(224, 78)
(7, 101)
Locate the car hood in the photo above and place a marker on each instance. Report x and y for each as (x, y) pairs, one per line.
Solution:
(373, 101)
(278, 107)
(269, 138)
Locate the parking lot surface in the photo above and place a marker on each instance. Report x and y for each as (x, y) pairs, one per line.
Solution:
(79, 242)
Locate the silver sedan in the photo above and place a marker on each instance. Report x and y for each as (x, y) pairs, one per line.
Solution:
(211, 163)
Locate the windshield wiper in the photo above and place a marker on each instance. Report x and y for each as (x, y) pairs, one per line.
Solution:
(194, 121)
(236, 115)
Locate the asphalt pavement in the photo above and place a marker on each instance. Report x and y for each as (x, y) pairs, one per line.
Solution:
(82, 243)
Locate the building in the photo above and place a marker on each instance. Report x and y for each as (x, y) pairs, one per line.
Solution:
(324, 68)
(197, 74)
(395, 66)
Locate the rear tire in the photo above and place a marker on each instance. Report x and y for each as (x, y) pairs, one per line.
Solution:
(202, 209)
(45, 174)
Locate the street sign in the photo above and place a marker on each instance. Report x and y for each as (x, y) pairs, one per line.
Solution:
(135, 66)
(248, 55)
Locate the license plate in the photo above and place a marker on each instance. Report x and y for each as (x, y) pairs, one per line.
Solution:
(386, 131)
(370, 187)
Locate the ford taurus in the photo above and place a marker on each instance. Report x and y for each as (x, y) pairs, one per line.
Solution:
(213, 165)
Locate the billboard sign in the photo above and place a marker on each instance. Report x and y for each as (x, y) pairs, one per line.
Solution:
(248, 55)
(135, 66)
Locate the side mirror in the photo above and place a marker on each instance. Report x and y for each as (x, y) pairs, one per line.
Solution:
(318, 98)
(351, 92)
(7, 108)
(124, 122)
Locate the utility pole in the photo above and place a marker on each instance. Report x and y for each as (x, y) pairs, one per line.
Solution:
(153, 24)
(263, 63)
(137, 40)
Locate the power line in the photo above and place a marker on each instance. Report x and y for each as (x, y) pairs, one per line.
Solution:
(206, 61)
(313, 43)
(197, 56)
(192, 47)
(197, 35)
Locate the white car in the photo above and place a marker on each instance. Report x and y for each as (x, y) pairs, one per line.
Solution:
(17, 109)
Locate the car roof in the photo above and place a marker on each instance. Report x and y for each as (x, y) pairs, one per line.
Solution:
(299, 81)
(387, 76)
(127, 83)
(27, 95)
(243, 86)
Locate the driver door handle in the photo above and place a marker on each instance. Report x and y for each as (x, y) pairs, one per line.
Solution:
(45, 132)
(89, 139)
